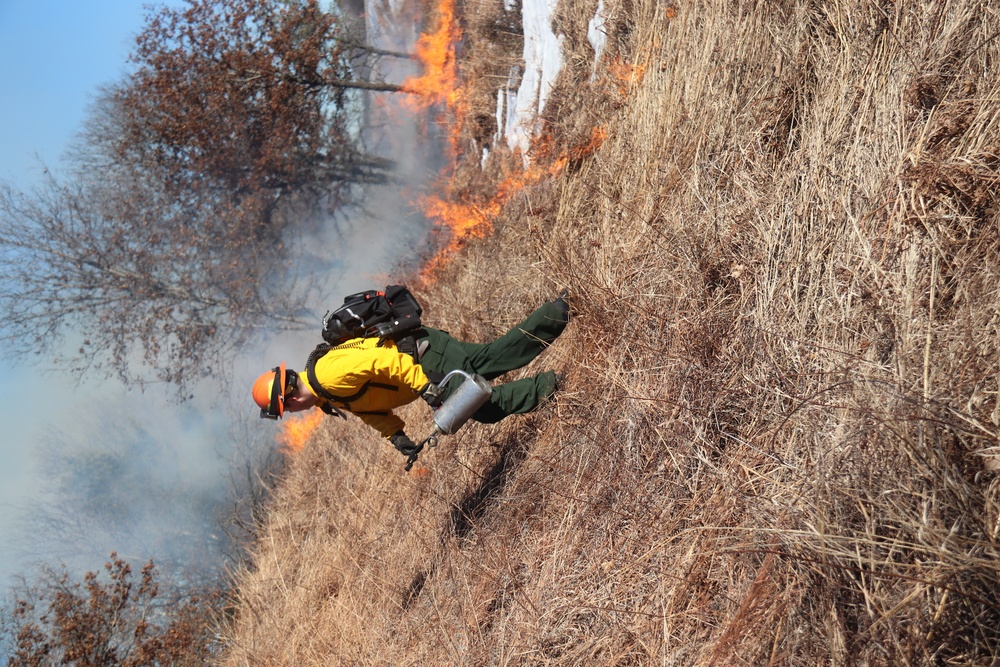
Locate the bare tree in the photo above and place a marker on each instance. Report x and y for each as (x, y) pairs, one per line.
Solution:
(165, 249)
(251, 96)
(142, 279)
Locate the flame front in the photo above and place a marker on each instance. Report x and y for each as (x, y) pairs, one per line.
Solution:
(297, 429)
(436, 52)
(462, 217)
(474, 219)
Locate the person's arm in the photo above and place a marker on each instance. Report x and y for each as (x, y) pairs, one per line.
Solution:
(386, 423)
(400, 369)
(377, 364)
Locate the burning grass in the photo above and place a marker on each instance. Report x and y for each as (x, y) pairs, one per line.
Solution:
(436, 52)
(297, 429)
(779, 441)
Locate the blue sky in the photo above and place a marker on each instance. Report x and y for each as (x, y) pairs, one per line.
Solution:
(55, 55)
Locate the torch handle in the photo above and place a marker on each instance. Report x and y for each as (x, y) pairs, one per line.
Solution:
(430, 441)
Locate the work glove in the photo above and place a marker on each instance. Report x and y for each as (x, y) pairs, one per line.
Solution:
(432, 393)
(403, 443)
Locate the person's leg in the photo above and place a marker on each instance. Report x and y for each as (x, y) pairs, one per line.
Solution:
(517, 397)
(521, 344)
(444, 353)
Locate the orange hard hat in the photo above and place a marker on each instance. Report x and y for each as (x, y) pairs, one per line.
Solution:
(269, 392)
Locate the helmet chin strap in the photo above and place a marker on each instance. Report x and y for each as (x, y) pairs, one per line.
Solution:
(271, 412)
(291, 381)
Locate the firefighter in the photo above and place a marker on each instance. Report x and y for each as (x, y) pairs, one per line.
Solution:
(368, 377)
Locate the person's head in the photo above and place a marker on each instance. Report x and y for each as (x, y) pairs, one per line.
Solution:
(280, 390)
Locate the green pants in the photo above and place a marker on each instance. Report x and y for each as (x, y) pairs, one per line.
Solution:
(510, 351)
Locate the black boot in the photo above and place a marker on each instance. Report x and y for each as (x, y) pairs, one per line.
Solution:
(560, 381)
(564, 304)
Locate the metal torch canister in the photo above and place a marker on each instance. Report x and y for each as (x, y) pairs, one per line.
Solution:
(471, 395)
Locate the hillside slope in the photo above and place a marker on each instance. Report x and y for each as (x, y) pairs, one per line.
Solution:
(778, 444)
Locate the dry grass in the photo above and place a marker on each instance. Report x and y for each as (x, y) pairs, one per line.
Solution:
(779, 444)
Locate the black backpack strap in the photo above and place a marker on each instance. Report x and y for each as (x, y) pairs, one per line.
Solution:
(332, 411)
(314, 356)
(408, 345)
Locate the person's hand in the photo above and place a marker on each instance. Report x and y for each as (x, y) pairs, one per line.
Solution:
(432, 394)
(403, 443)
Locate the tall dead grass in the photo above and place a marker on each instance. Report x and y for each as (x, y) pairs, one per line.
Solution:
(779, 441)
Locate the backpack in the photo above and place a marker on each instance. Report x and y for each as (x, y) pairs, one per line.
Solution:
(390, 315)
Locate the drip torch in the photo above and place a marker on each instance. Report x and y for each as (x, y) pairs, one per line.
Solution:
(456, 409)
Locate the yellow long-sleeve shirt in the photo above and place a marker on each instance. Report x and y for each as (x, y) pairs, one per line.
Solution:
(372, 381)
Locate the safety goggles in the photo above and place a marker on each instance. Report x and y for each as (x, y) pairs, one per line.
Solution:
(276, 404)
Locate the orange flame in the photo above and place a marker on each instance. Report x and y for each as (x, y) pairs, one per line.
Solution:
(456, 215)
(436, 51)
(460, 221)
(297, 429)
(439, 82)
(625, 74)
(472, 219)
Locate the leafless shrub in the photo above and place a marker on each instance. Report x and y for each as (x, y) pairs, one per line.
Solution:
(116, 620)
